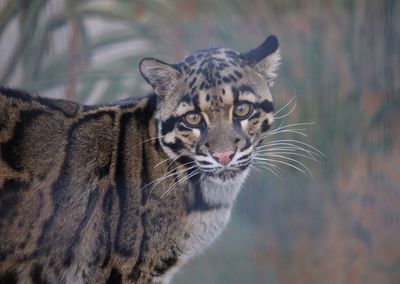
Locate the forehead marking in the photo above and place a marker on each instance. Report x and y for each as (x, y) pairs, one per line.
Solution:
(213, 66)
(227, 94)
(221, 99)
(183, 108)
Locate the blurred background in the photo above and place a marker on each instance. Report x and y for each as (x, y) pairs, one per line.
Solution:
(341, 60)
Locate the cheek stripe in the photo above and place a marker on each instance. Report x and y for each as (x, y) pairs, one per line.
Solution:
(266, 105)
(168, 125)
(205, 163)
(265, 125)
(244, 157)
(174, 146)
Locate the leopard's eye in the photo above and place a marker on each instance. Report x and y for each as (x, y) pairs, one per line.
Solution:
(242, 110)
(193, 118)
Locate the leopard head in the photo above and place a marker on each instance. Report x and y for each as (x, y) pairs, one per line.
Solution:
(215, 106)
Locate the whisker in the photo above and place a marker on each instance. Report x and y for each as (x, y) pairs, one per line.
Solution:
(295, 131)
(159, 180)
(296, 141)
(289, 159)
(178, 167)
(284, 151)
(271, 164)
(276, 148)
(280, 162)
(168, 159)
(198, 180)
(151, 139)
(269, 152)
(266, 166)
(290, 148)
(163, 161)
(291, 110)
(174, 184)
(176, 158)
(282, 126)
(275, 167)
(290, 128)
(168, 174)
(285, 106)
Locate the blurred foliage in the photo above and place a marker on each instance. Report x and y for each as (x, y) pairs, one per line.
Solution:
(340, 60)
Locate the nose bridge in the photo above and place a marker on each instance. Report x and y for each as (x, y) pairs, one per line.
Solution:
(221, 138)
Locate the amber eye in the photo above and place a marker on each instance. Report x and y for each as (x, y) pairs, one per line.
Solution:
(193, 118)
(242, 110)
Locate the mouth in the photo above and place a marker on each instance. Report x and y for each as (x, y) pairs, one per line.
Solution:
(225, 173)
(213, 169)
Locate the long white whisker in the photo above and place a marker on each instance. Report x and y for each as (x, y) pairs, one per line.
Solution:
(161, 179)
(174, 184)
(280, 162)
(286, 146)
(299, 142)
(276, 148)
(267, 167)
(178, 167)
(268, 153)
(275, 167)
(285, 151)
(168, 159)
(288, 159)
(289, 113)
(176, 158)
(285, 106)
(169, 173)
(311, 154)
(299, 124)
(281, 127)
(289, 126)
(286, 129)
(151, 139)
(163, 161)
(296, 131)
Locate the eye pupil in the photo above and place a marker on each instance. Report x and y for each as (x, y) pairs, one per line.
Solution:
(193, 119)
(242, 109)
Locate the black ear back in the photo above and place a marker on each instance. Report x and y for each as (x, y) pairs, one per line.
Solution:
(269, 46)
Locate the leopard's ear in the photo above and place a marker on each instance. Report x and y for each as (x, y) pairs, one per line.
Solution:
(163, 77)
(265, 58)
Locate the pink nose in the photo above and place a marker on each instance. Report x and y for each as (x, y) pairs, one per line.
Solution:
(223, 157)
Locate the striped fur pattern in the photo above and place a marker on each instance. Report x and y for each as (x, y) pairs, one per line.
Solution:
(127, 192)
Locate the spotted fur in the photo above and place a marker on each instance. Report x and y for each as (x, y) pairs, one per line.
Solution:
(127, 192)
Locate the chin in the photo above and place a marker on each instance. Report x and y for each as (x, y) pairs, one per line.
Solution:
(228, 175)
(217, 190)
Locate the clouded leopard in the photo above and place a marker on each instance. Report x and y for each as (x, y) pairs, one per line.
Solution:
(126, 192)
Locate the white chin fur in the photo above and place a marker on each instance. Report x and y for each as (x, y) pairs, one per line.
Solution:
(217, 191)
